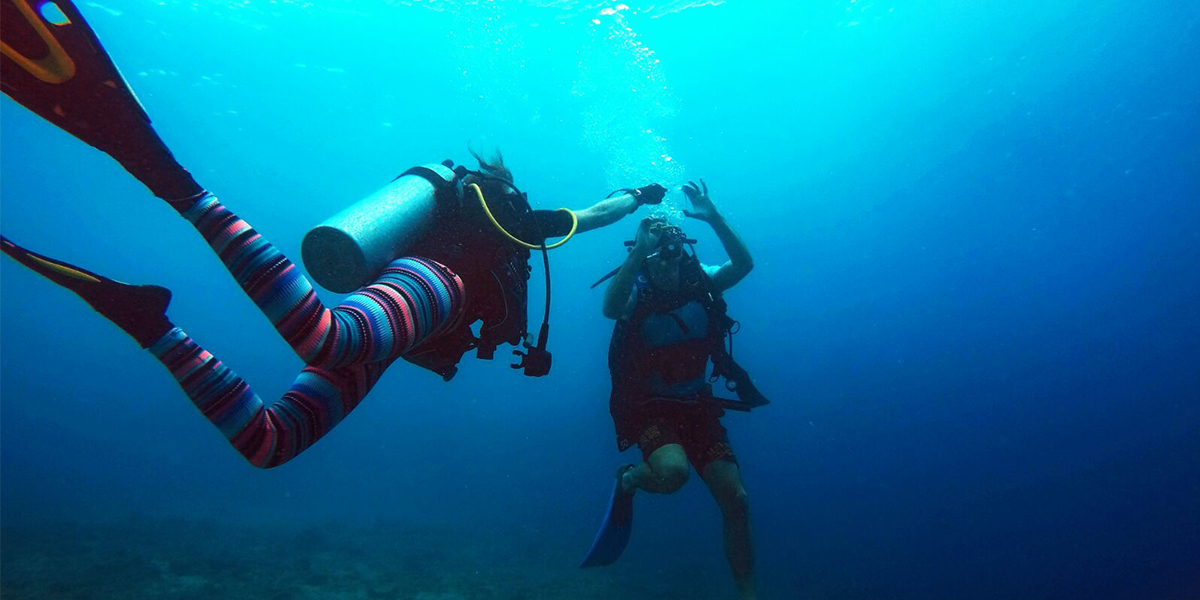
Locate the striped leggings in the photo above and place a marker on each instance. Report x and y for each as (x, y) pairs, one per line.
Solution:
(346, 349)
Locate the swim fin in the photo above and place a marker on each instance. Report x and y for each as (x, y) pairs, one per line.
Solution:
(141, 310)
(614, 532)
(54, 65)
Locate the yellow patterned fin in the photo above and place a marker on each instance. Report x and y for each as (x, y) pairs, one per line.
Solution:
(65, 270)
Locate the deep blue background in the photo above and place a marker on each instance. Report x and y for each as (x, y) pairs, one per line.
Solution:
(977, 235)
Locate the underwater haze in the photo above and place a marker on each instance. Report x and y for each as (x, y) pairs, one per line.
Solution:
(975, 307)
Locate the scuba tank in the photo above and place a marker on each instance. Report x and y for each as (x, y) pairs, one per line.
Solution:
(350, 248)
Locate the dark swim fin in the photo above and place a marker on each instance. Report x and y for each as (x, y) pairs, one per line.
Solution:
(141, 310)
(614, 532)
(53, 64)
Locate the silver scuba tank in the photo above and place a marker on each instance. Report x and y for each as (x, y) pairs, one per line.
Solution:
(351, 248)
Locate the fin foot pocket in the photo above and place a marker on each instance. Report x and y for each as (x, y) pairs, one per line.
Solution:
(140, 310)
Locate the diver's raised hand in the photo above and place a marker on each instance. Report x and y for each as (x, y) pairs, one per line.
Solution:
(702, 206)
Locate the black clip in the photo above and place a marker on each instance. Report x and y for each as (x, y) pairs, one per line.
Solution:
(536, 360)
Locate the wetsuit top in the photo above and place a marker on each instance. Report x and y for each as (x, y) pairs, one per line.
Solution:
(494, 271)
(470, 243)
(550, 223)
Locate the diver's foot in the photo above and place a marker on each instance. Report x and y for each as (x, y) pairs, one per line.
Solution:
(140, 310)
(626, 483)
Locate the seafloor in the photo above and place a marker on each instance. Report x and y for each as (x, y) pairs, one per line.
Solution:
(192, 559)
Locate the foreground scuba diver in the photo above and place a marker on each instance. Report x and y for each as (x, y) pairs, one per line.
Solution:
(467, 233)
(671, 322)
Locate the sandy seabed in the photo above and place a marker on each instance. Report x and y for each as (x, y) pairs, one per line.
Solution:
(171, 559)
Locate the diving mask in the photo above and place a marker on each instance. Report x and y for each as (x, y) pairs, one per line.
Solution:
(671, 242)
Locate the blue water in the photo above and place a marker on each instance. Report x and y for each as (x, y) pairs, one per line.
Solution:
(976, 302)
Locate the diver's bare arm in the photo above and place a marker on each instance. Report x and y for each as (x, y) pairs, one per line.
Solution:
(740, 262)
(605, 212)
(616, 297)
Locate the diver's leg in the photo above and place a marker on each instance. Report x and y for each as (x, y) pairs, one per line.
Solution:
(413, 299)
(664, 471)
(725, 483)
(266, 436)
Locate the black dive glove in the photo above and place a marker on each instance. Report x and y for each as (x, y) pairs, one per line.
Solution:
(647, 194)
(650, 194)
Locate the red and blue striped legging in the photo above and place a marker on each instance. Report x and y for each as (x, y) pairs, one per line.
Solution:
(346, 349)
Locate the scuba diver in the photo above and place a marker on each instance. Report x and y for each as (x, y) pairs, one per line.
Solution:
(437, 249)
(671, 323)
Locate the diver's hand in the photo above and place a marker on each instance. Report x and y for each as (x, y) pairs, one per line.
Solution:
(648, 235)
(650, 194)
(703, 208)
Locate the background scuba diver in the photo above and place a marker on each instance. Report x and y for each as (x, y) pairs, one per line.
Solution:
(667, 325)
(420, 306)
